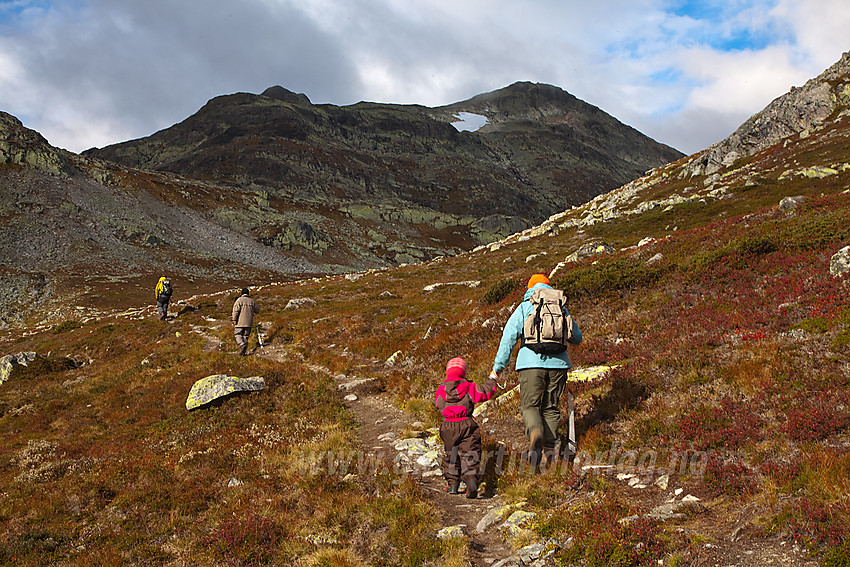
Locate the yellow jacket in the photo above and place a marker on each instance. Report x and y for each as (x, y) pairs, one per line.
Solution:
(159, 287)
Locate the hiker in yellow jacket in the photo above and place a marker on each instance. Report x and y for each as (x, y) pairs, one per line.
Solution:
(162, 292)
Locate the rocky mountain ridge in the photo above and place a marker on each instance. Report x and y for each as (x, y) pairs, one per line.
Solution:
(274, 186)
(801, 110)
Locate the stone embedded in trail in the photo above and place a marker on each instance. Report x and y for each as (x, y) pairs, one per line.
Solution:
(452, 532)
(531, 552)
(429, 460)
(211, 388)
(413, 446)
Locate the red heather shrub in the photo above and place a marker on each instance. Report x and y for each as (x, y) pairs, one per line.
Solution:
(817, 418)
(725, 427)
(728, 476)
(822, 524)
(246, 540)
(783, 473)
(600, 539)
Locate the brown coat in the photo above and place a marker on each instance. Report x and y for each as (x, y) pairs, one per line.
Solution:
(243, 312)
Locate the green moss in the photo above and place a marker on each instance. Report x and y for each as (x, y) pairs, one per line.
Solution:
(842, 339)
(816, 325)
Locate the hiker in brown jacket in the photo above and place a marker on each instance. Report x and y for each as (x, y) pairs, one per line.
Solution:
(243, 319)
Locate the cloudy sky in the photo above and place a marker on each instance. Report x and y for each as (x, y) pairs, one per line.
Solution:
(89, 73)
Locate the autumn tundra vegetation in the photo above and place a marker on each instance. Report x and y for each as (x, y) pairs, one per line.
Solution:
(715, 297)
(728, 333)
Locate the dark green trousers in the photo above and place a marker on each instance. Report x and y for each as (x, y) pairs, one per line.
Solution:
(540, 391)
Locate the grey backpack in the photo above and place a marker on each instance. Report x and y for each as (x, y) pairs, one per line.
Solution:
(547, 330)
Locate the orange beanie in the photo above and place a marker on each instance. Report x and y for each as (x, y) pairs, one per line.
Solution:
(536, 279)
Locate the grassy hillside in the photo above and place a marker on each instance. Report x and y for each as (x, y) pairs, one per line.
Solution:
(730, 334)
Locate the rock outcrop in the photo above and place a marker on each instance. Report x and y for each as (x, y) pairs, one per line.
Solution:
(8, 363)
(803, 109)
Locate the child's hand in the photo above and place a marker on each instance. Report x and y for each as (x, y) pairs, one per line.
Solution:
(494, 375)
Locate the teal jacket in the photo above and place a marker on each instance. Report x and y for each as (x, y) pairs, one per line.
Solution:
(527, 358)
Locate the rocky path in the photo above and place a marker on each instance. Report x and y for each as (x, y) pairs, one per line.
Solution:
(389, 433)
(381, 429)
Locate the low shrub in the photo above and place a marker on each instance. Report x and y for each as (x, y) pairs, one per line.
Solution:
(246, 539)
(500, 290)
(66, 326)
(600, 538)
(728, 426)
(817, 418)
(606, 276)
(728, 476)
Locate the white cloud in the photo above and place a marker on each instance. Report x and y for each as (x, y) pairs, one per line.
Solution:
(93, 72)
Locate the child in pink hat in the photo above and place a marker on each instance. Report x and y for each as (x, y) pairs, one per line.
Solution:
(455, 399)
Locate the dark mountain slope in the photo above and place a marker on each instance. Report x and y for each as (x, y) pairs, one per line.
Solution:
(544, 152)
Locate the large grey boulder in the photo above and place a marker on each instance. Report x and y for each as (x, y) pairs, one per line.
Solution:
(217, 386)
(839, 264)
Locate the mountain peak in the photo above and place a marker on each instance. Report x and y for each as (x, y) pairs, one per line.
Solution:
(279, 93)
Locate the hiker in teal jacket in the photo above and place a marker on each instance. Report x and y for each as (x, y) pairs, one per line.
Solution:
(542, 378)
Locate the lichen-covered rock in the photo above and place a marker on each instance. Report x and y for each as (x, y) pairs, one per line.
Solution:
(839, 264)
(468, 283)
(211, 388)
(494, 515)
(590, 249)
(517, 521)
(8, 363)
(451, 532)
(393, 359)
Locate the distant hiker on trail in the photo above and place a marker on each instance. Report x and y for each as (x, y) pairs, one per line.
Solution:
(545, 327)
(162, 292)
(459, 431)
(242, 316)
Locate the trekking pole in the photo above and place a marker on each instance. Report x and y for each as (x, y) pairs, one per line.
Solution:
(259, 337)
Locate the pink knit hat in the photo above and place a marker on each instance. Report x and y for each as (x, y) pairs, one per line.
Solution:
(456, 369)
